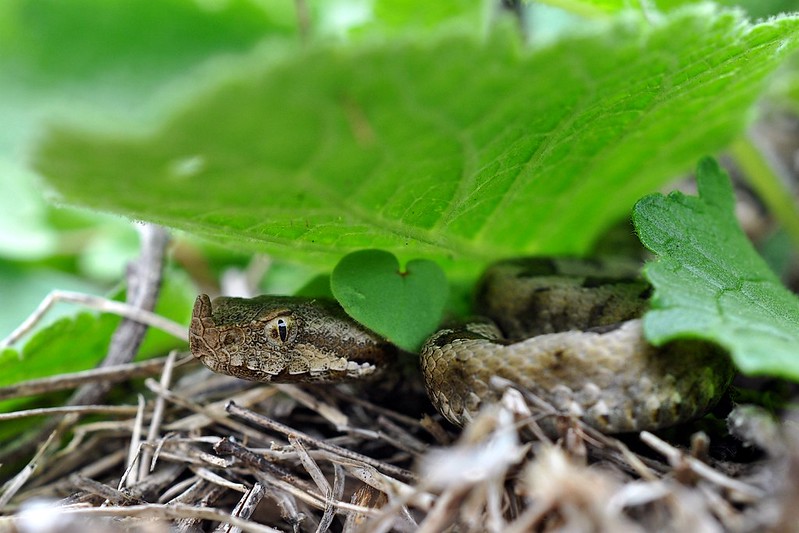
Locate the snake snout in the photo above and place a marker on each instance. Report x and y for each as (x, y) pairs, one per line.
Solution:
(202, 307)
(202, 327)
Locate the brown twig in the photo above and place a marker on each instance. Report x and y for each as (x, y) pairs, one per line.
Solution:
(268, 423)
(97, 303)
(70, 410)
(144, 283)
(152, 510)
(144, 280)
(747, 492)
(111, 374)
(158, 415)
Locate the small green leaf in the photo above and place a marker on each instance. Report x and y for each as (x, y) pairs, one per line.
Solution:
(709, 281)
(405, 307)
(69, 344)
(80, 341)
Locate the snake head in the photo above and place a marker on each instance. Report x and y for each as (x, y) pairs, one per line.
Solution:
(284, 339)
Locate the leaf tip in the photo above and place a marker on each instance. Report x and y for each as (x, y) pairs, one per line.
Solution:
(713, 184)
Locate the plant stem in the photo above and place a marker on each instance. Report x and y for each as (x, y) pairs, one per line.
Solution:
(761, 176)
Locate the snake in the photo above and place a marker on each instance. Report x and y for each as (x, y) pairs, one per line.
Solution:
(566, 330)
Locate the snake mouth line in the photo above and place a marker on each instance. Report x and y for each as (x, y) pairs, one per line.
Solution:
(605, 329)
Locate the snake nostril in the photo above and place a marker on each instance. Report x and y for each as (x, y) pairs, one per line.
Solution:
(230, 338)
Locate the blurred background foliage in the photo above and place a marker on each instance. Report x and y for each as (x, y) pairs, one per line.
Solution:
(152, 52)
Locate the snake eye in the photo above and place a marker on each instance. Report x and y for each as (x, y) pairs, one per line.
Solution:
(280, 330)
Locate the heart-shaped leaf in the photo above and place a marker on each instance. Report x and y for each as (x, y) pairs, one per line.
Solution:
(403, 306)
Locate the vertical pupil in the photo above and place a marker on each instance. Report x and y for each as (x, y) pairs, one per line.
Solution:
(282, 329)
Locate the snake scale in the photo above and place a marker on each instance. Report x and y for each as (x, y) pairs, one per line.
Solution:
(567, 330)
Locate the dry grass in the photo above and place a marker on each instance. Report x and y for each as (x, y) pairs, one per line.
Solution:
(207, 452)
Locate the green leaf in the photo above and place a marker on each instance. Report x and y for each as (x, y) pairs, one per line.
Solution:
(105, 60)
(597, 7)
(755, 8)
(69, 344)
(403, 306)
(709, 281)
(589, 7)
(102, 62)
(317, 287)
(455, 149)
(763, 8)
(80, 341)
(24, 286)
(404, 14)
(175, 302)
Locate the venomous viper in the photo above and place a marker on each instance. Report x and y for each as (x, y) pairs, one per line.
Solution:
(567, 330)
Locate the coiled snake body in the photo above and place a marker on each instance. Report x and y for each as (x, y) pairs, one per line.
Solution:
(567, 330)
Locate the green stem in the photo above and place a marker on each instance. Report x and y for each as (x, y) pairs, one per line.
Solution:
(577, 7)
(768, 185)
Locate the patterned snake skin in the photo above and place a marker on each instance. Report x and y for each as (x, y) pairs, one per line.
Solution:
(567, 330)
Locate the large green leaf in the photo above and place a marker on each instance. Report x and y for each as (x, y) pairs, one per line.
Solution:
(447, 148)
(592, 7)
(599, 7)
(100, 61)
(755, 8)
